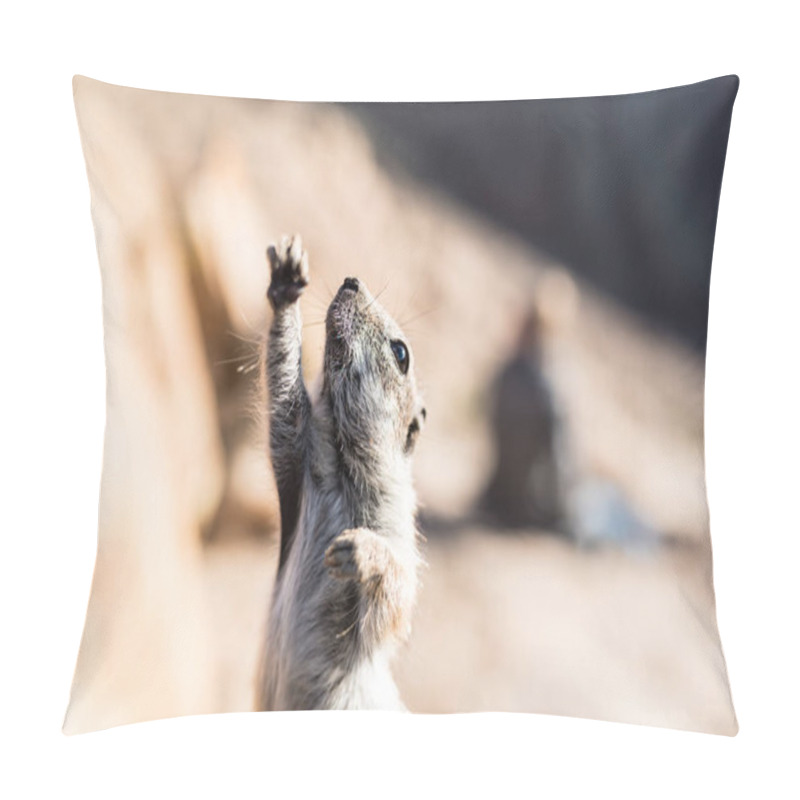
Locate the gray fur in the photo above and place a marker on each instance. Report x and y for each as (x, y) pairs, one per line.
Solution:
(347, 573)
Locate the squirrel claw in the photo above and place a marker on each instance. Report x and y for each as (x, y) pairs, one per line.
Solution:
(289, 271)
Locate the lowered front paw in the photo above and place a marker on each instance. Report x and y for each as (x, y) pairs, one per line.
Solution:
(289, 271)
(358, 554)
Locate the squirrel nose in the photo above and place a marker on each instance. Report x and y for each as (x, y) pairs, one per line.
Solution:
(350, 283)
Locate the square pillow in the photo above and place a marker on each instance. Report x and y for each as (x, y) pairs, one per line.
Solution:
(490, 496)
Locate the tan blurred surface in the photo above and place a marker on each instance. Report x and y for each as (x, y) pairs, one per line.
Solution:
(510, 622)
(187, 193)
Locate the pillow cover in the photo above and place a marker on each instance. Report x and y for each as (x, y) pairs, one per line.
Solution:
(541, 270)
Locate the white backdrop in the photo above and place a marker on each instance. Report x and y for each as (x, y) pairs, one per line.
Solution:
(53, 387)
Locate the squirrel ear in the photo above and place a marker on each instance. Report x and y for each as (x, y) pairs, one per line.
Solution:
(414, 428)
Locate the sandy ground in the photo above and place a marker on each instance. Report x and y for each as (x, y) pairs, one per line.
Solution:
(527, 622)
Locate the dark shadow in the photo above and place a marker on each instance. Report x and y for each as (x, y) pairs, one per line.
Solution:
(623, 190)
(443, 528)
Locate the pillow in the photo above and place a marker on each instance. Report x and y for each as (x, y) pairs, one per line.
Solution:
(480, 488)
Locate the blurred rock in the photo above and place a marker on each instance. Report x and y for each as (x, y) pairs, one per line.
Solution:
(601, 516)
(145, 651)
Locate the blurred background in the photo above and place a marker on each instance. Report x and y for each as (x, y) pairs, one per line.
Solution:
(549, 263)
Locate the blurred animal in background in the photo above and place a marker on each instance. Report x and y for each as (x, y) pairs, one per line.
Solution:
(347, 572)
(529, 484)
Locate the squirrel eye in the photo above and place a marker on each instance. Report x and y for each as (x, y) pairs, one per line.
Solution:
(401, 355)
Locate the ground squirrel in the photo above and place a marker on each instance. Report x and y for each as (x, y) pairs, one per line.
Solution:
(347, 572)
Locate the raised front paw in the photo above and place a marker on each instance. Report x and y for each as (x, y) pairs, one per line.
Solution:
(289, 266)
(358, 554)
